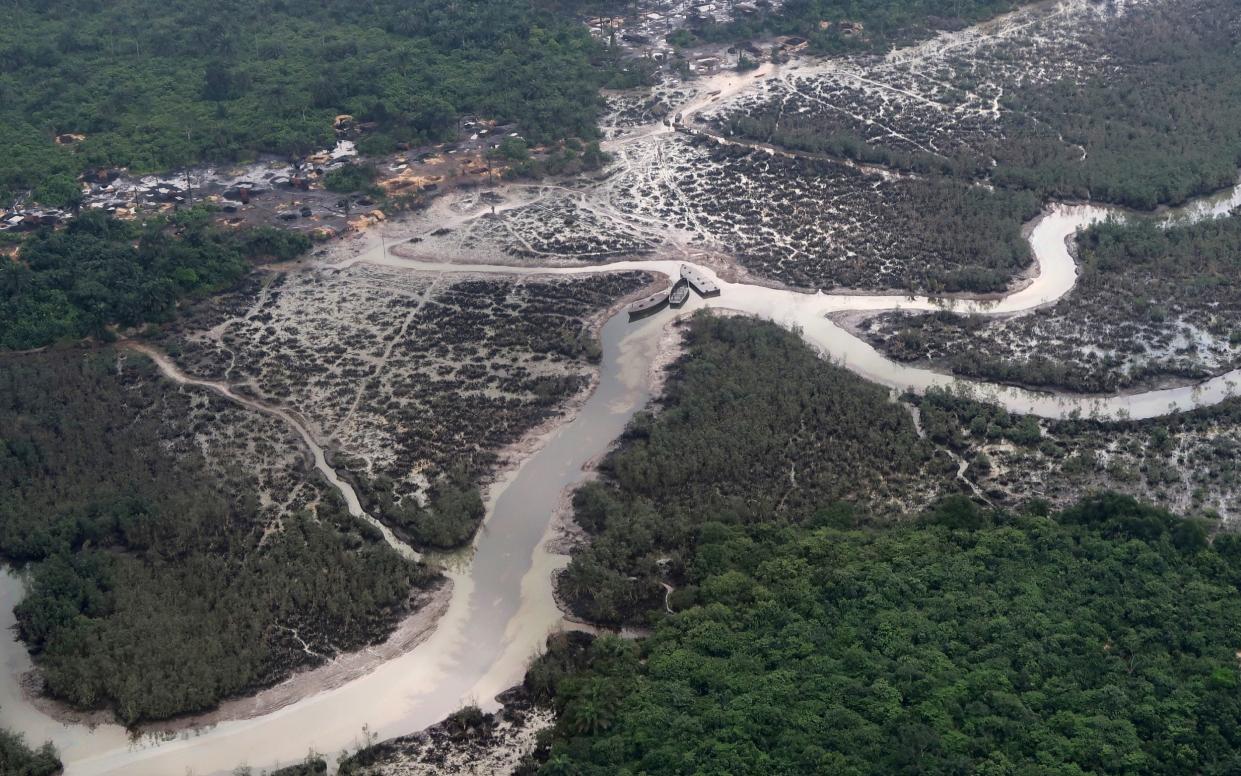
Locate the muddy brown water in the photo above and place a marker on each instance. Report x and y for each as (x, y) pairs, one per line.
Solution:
(501, 608)
(1049, 236)
(500, 613)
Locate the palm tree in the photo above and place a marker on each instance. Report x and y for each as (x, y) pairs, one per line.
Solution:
(592, 711)
(560, 765)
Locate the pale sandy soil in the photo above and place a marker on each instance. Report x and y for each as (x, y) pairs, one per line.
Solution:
(671, 347)
(511, 457)
(430, 753)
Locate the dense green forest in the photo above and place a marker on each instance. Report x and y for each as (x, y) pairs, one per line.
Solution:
(75, 282)
(156, 590)
(1165, 125)
(155, 85)
(735, 445)
(1101, 639)
(17, 759)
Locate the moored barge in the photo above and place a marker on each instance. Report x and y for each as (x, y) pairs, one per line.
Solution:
(699, 282)
(651, 304)
(680, 293)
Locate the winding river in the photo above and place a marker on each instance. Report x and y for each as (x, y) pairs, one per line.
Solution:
(499, 615)
(501, 607)
(1056, 273)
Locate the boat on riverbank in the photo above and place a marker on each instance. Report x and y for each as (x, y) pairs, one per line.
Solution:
(502, 601)
(648, 306)
(679, 294)
(705, 286)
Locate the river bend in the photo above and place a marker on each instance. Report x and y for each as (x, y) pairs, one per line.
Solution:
(501, 607)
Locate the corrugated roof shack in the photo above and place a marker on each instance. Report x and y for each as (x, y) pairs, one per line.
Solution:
(699, 282)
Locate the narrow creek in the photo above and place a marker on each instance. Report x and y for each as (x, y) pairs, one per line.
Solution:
(352, 503)
(1049, 236)
(501, 607)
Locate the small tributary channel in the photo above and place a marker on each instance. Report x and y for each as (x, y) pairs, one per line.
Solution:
(1056, 274)
(502, 608)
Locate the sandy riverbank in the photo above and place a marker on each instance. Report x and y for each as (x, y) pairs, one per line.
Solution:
(563, 533)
